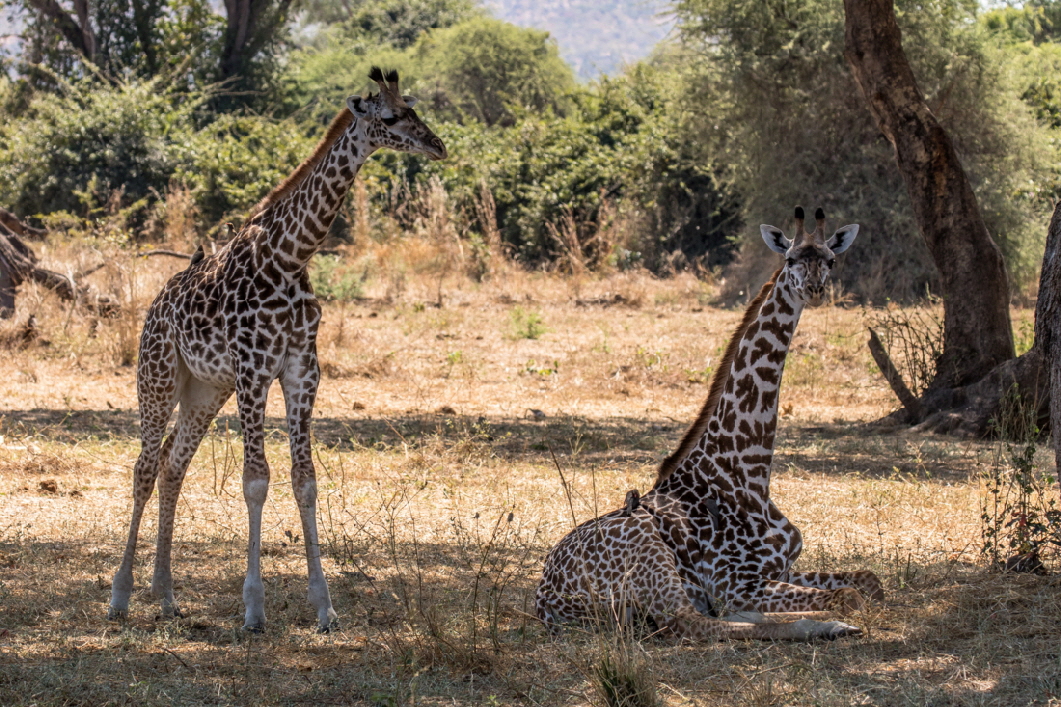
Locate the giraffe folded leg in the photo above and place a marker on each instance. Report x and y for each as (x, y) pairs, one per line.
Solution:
(863, 580)
(671, 607)
(769, 596)
(758, 617)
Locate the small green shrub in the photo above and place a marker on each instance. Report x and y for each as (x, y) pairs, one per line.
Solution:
(332, 280)
(526, 324)
(1020, 516)
(622, 677)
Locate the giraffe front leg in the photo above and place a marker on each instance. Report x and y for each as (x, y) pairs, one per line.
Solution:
(251, 394)
(864, 581)
(786, 597)
(299, 384)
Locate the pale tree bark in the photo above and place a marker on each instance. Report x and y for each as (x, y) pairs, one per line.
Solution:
(19, 228)
(80, 36)
(977, 330)
(249, 27)
(972, 410)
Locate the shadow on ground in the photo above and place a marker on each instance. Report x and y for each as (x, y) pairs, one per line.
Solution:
(415, 622)
(625, 440)
(834, 449)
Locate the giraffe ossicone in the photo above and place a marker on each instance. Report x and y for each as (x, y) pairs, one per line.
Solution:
(707, 541)
(237, 320)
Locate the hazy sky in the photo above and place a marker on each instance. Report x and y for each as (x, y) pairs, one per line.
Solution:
(594, 36)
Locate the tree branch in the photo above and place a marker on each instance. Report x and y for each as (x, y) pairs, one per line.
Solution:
(81, 40)
(914, 411)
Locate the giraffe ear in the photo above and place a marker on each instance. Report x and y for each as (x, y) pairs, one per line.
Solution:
(410, 101)
(357, 106)
(775, 239)
(843, 238)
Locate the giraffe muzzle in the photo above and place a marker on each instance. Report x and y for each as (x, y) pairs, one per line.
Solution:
(436, 150)
(814, 295)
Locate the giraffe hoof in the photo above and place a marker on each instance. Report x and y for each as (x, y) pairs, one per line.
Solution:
(328, 628)
(257, 628)
(838, 629)
(114, 614)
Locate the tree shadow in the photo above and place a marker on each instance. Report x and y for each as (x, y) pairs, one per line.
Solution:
(594, 440)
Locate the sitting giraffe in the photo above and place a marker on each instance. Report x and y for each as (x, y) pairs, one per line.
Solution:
(236, 321)
(707, 538)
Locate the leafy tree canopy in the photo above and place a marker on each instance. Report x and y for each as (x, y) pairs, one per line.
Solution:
(484, 69)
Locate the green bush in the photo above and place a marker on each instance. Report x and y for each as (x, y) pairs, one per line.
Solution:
(70, 151)
(485, 70)
(235, 161)
(332, 281)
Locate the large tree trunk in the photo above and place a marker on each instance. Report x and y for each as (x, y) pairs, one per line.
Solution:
(249, 26)
(80, 36)
(1048, 323)
(977, 331)
(973, 409)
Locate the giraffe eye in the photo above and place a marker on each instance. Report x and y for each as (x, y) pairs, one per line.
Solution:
(832, 262)
(790, 261)
(390, 121)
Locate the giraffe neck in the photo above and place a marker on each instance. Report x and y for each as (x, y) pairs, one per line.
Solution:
(734, 454)
(296, 225)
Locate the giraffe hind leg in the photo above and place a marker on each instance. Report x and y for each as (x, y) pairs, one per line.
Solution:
(157, 396)
(199, 404)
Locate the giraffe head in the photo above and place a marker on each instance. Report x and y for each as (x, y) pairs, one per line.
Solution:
(809, 256)
(391, 121)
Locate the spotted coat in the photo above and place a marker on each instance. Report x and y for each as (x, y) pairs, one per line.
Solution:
(707, 539)
(235, 322)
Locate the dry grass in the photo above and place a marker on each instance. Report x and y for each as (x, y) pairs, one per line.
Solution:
(439, 499)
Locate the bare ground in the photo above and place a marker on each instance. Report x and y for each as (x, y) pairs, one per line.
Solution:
(436, 433)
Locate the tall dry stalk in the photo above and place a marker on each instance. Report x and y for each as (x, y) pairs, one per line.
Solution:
(913, 337)
(566, 237)
(488, 256)
(181, 218)
(435, 223)
(360, 216)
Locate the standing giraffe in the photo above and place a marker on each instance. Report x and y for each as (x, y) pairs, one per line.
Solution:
(707, 538)
(240, 319)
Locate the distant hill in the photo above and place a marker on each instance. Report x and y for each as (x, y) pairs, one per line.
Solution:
(595, 36)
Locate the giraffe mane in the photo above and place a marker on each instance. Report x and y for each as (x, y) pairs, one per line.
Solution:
(718, 384)
(293, 180)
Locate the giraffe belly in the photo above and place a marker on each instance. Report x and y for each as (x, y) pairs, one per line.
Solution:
(208, 360)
